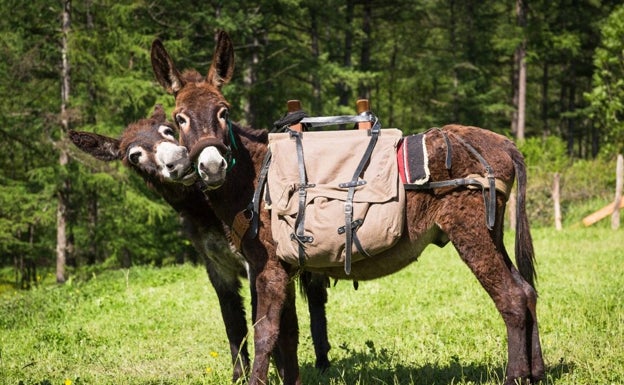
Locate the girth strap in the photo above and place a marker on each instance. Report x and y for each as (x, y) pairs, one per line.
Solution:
(351, 226)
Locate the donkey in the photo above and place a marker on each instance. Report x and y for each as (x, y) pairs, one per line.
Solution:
(150, 148)
(437, 215)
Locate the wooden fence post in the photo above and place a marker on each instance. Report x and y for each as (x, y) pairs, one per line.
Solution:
(557, 201)
(511, 210)
(619, 181)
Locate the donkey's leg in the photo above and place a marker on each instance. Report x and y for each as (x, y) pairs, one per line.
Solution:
(273, 289)
(534, 346)
(233, 313)
(533, 341)
(288, 339)
(476, 247)
(315, 288)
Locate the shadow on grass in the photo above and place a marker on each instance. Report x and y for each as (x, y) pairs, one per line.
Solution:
(365, 369)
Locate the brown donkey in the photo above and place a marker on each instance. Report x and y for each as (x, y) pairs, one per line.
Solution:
(436, 215)
(150, 148)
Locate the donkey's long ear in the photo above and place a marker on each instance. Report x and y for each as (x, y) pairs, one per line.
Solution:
(222, 66)
(99, 146)
(159, 113)
(164, 68)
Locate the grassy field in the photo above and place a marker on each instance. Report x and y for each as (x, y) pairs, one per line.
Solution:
(429, 324)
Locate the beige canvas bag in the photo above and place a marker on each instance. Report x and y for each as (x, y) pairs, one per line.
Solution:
(331, 157)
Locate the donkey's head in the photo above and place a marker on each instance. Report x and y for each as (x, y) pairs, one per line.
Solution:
(201, 111)
(148, 146)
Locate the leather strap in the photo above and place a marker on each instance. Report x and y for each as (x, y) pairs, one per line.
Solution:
(488, 185)
(472, 181)
(247, 220)
(449, 150)
(299, 234)
(349, 228)
(239, 227)
(490, 201)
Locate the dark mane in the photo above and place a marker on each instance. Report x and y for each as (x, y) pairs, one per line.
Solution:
(253, 134)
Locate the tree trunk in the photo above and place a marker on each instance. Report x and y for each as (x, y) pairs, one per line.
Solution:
(545, 112)
(453, 42)
(393, 76)
(521, 94)
(517, 124)
(317, 101)
(571, 107)
(64, 188)
(364, 91)
(92, 226)
(249, 79)
(344, 89)
(61, 223)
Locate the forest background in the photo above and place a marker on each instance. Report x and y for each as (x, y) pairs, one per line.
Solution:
(549, 74)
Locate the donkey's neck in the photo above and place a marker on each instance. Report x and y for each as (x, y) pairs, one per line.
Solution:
(236, 193)
(188, 201)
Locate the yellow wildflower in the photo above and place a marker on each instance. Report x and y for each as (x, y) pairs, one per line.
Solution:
(214, 354)
(67, 382)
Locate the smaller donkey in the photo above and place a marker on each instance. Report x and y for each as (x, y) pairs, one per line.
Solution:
(150, 148)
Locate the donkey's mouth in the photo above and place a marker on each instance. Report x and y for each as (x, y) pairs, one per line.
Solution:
(210, 186)
(189, 176)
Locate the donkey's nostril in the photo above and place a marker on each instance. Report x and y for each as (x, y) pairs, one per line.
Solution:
(223, 164)
(170, 166)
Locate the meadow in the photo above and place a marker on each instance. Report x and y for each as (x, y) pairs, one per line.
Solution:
(428, 324)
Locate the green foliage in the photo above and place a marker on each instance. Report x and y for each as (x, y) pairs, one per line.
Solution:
(545, 154)
(430, 323)
(607, 96)
(26, 214)
(585, 185)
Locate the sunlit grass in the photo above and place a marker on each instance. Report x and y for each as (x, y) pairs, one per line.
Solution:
(429, 324)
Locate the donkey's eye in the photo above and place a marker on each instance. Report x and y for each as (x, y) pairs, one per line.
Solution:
(134, 155)
(167, 132)
(182, 120)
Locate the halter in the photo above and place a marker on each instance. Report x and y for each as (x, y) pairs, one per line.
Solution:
(226, 150)
(231, 159)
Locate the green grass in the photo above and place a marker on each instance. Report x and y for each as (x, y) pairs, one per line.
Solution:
(429, 324)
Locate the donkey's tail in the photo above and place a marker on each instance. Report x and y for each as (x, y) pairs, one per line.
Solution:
(525, 255)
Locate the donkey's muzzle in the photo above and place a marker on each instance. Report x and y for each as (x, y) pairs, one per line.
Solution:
(204, 143)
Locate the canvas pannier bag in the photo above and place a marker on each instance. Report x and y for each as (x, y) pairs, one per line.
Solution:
(330, 159)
